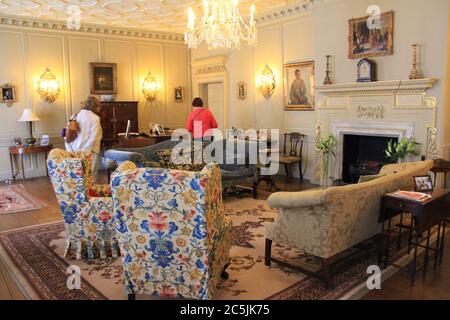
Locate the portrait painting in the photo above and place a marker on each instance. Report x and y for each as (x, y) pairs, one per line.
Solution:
(371, 36)
(179, 94)
(8, 94)
(103, 78)
(299, 86)
(242, 90)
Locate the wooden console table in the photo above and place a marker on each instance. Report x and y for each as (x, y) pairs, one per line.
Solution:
(424, 216)
(141, 141)
(21, 151)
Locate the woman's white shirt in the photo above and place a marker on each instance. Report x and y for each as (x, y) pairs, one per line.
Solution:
(90, 134)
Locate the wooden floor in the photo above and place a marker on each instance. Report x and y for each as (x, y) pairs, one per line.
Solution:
(435, 286)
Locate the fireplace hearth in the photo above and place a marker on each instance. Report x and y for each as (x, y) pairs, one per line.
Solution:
(363, 155)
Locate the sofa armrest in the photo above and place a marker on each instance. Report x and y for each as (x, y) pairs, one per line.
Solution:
(295, 199)
(121, 156)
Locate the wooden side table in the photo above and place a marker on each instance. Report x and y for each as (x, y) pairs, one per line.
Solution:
(23, 150)
(424, 216)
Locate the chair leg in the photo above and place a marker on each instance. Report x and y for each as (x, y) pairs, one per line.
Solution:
(131, 297)
(268, 252)
(224, 275)
(287, 172)
(301, 171)
(255, 190)
(327, 274)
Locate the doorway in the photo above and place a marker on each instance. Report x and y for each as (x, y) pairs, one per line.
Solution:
(213, 96)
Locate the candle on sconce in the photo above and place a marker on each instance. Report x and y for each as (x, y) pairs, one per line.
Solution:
(252, 15)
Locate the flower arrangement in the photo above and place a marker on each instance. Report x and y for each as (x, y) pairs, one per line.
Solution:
(326, 146)
(399, 151)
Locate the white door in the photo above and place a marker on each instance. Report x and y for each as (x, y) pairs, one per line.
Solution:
(216, 103)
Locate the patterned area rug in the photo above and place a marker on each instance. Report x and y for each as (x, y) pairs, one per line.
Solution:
(33, 256)
(16, 199)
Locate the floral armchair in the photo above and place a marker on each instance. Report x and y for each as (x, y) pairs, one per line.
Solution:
(86, 207)
(172, 230)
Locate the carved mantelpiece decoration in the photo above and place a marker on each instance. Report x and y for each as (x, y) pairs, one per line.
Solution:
(383, 102)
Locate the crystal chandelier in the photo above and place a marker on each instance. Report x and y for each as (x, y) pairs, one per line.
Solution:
(48, 87)
(221, 26)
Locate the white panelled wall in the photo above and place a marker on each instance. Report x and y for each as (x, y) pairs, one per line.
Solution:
(26, 52)
(322, 29)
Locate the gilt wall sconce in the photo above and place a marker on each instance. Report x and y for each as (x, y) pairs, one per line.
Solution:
(150, 87)
(266, 82)
(48, 87)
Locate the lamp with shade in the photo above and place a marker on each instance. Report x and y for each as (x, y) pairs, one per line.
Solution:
(30, 117)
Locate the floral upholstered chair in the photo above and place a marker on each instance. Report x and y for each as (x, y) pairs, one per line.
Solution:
(85, 206)
(173, 235)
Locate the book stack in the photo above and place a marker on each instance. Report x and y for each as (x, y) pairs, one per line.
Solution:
(411, 195)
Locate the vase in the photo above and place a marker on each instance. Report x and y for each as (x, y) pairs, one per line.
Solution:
(325, 165)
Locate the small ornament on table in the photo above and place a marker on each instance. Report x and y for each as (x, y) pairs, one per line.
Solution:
(327, 77)
(414, 74)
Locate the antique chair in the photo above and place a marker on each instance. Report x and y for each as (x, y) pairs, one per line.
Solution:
(86, 207)
(173, 234)
(293, 142)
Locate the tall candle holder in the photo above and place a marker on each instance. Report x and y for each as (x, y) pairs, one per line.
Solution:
(327, 76)
(414, 74)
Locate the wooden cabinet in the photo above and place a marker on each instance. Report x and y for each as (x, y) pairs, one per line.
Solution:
(114, 118)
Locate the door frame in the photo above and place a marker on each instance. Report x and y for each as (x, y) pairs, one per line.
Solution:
(212, 70)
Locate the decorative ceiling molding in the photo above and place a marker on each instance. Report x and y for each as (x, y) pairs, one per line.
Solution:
(162, 15)
(97, 29)
(292, 10)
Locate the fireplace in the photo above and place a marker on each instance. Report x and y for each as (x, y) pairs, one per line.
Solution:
(363, 155)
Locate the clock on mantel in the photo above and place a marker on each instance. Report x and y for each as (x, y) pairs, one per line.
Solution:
(366, 71)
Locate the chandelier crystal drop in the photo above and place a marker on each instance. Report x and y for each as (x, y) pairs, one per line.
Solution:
(221, 26)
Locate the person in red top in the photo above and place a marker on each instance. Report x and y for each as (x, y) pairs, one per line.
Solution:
(200, 121)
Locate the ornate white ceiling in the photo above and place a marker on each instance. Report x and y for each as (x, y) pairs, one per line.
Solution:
(157, 15)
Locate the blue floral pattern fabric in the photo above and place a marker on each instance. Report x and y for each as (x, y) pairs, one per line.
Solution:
(89, 220)
(172, 230)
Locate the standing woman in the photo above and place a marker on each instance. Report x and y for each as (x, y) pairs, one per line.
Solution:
(200, 116)
(90, 134)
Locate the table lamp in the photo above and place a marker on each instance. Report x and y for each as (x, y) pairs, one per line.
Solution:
(30, 117)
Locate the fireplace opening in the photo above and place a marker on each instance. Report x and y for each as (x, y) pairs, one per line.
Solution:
(363, 155)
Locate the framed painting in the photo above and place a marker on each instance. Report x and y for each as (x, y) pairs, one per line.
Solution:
(371, 36)
(103, 78)
(178, 94)
(299, 86)
(242, 90)
(8, 94)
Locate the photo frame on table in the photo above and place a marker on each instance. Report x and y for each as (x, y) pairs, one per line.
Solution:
(299, 82)
(371, 36)
(423, 183)
(103, 78)
(44, 140)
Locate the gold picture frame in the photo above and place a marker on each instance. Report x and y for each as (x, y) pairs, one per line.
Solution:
(178, 94)
(8, 94)
(364, 42)
(242, 90)
(299, 81)
(103, 78)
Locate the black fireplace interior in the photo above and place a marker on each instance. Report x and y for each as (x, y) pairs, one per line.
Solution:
(363, 155)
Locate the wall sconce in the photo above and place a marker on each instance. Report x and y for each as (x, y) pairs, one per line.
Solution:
(266, 82)
(150, 87)
(48, 87)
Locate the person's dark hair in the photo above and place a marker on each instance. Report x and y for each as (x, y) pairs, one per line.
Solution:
(198, 102)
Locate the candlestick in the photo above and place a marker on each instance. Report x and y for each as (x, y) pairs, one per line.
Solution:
(414, 74)
(327, 76)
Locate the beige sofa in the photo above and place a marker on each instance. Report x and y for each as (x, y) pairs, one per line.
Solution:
(326, 222)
